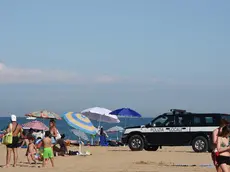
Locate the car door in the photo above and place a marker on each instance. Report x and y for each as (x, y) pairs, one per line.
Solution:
(181, 132)
(159, 132)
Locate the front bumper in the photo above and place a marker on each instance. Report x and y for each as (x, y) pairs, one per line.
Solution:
(124, 139)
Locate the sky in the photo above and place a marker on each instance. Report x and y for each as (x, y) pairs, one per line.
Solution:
(148, 55)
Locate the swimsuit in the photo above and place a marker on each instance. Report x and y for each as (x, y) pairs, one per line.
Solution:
(48, 153)
(15, 141)
(223, 159)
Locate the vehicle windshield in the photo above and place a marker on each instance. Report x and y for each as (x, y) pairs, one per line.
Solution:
(163, 121)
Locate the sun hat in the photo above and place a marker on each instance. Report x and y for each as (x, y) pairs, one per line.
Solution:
(13, 118)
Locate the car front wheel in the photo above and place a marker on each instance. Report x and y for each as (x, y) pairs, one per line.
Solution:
(200, 144)
(136, 143)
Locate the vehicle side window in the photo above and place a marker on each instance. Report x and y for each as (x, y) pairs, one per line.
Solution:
(197, 121)
(164, 121)
(183, 121)
(209, 120)
(226, 117)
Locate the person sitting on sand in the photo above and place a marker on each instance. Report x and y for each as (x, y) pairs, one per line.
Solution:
(62, 151)
(48, 151)
(31, 150)
(223, 148)
(215, 134)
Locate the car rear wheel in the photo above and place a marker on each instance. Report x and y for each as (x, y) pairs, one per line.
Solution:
(136, 143)
(151, 148)
(200, 144)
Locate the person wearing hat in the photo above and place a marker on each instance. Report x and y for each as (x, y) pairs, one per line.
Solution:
(16, 129)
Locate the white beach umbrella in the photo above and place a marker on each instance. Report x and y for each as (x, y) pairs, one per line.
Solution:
(100, 114)
(115, 129)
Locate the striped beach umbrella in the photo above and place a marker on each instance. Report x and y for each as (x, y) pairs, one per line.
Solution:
(44, 114)
(36, 125)
(79, 122)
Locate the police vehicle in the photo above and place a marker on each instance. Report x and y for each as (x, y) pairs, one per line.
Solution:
(175, 128)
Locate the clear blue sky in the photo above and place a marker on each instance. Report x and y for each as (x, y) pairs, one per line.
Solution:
(148, 55)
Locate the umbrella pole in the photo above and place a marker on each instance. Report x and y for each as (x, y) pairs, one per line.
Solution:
(100, 121)
(117, 135)
(91, 140)
(99, 127)
(79, 145)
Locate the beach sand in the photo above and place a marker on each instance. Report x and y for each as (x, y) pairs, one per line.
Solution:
(119, 159)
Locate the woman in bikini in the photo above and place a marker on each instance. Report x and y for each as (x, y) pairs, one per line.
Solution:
(223, 148)
(53, 130)
(55, 135)
(215, 135)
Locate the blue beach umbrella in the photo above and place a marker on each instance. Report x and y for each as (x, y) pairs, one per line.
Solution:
(79, 122)
(125, 112)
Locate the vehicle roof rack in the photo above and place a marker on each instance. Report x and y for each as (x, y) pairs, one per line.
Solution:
(177, 111)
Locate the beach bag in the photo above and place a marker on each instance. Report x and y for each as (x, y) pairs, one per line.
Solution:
(8, 138)
(58, 135)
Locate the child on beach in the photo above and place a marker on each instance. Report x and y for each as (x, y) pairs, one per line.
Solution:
(48, 151)
(31, 150)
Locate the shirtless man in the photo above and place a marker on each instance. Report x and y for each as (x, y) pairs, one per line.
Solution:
(48, 151)
(16, 129)
(215, 135)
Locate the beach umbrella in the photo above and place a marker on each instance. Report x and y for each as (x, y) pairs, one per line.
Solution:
(80, 134)
(79, 122)
(115, 129)
(31, 118)
(100, 114)
(44, 114)
(125, 112)
(36, 125)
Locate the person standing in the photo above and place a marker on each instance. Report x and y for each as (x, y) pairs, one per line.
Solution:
(53, 130)
(223, 148)
(48, 151)
(215, 135)
(16, 130)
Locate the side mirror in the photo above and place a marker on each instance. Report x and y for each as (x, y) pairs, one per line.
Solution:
(154, 125)
(148, 125)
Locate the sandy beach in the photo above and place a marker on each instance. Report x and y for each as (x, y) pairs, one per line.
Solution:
(120, 159)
